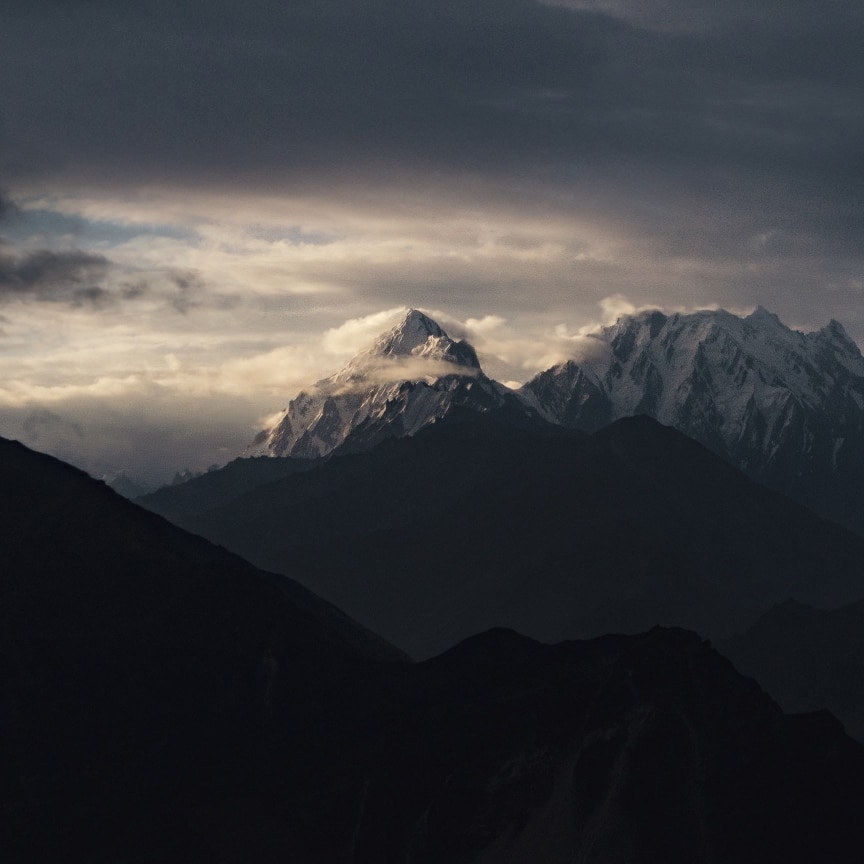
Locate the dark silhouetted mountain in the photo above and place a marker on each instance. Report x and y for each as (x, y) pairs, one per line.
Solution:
(471, 525)
(140, 668)
(675, 759)
(411, 376)
(787, 408)
(163, 701)
(219, 486)
(808, 659)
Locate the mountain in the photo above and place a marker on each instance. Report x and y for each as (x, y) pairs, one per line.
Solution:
(141, 667)
(787, 408)
(61, 530)
(221, 485)
(410, 377)
(164, 701)
(808, 659)
(631, 749)
(470, 525)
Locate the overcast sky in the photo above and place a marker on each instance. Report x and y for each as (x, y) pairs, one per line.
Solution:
(206, 204)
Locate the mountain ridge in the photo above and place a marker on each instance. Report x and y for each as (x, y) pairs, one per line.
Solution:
(690, 540)
(163, 701)
(785, 407)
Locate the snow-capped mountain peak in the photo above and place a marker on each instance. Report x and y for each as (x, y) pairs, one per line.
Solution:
(415, 333)
(782, 405)
(416, 348)
(763, 318)
(834, 339)
(409, 377)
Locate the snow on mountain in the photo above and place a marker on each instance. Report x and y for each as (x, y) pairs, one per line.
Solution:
(782, 405)
(785, 407)
(411, 376)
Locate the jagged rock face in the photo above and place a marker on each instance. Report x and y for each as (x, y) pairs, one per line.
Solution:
(785, 407)
(412, 375)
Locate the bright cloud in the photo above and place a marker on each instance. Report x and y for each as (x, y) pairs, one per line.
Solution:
(355, 334)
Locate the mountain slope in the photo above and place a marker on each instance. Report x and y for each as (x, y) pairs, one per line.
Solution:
(163, 701)
(676, 759)
(219, 486)
(142, 668)
(411, 376)
(465, 526)
(785, 407)
(61, 530)
(808, 659)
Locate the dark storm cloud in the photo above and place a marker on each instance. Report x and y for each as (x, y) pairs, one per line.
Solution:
(274, 87)
(59, 277)
(211, 86)
(7, 207)
(702, 126)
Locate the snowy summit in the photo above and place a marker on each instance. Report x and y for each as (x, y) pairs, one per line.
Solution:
(409, 377)
(783, 406)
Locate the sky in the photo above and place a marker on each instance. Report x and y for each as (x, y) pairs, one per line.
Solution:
(206, 206)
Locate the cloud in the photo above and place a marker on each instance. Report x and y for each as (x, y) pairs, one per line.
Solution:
(313, 90)
(7, 206)
(617, 305)
(274, 376)
(675, 15)
(356, 333)
(69, 277)
(511, 353)
(42, 421)
(486, 324)
(395, 369)
(188, 284)
(149, 437)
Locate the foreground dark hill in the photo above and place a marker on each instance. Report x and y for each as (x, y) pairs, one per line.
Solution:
(78, 558)
(469, 525)
(808, 659)
(164, 702)
(140, 666)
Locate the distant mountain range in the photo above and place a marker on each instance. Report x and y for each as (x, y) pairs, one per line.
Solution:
(164, 701)
(784, 407)
(470, 524)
